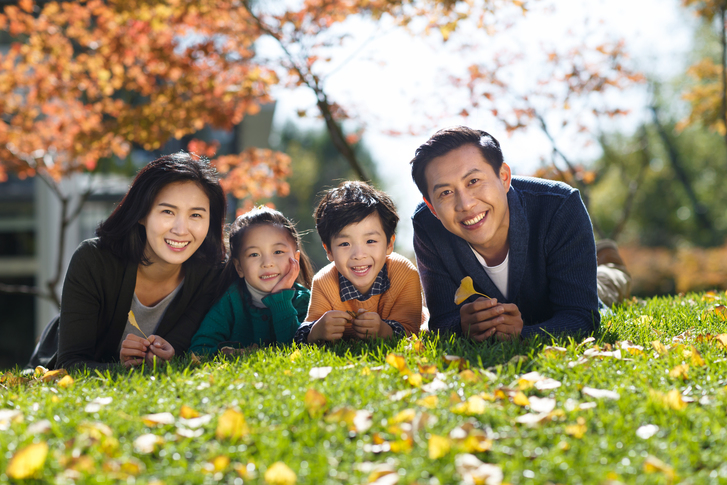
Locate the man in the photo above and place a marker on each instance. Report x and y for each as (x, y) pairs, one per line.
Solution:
(527, 243)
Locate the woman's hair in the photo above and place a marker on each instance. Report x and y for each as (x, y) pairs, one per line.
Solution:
(255, 217)
(122, 233)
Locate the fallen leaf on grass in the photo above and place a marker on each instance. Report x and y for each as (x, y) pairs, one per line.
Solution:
(54, 375)
(468, 376)
(295, 355)
(542, 405)
(474, 405)
(696, 359)
(196, 422)
(28, 461)
(465, 290)
(721, 312)
(232, 426)
(474, 471)
(66, 382)
(654, 465)
(454, 360)
(553, 351)
(647, 431)
(315, 402)
(147, 443)
(520, 399)
(320, 372)
(220, 463)
(428, 402)
(158, 418)
(439, 446)
(9, 416)
(280, 474)
(586, 341)
(577, 430)
(194, 360)
(95, 405)
(436, 385)
(659, 347)
(428, 370)
(414, 379)
(358, 421)
(591, 353)
(187, 412)
(681, 371)
(671, 400)
(39, 427)
(600, 393)
(630, 348)
(398, 362)
(547, 384)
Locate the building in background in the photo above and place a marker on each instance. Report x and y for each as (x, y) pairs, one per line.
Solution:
(29, 231)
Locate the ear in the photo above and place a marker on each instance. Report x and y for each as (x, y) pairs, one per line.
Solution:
(431, 209)
(329, 254)
(238, 267)
(297, 255)
(390, 246)
(505, 176)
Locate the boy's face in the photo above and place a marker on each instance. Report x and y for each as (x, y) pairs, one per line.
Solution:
(359, 251)
(470, 199)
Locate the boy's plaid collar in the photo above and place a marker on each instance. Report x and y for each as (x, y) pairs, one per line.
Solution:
(349, 292)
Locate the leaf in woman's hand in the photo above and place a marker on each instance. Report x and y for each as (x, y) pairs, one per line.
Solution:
(465, 290)
(132, 321)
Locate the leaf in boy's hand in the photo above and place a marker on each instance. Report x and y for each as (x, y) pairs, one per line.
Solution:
(280, 474)
(315, 402)
(465, 290)
(28, 461)
(132, 321)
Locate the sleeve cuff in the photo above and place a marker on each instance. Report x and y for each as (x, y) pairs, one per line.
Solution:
(301, 335)
(397, 328)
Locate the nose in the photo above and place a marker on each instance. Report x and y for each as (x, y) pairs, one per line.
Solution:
(267, 261)
(464, 201)
(357, 252)
(180, 226)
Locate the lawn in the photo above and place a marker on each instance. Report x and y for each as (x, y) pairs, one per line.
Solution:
(642, 402)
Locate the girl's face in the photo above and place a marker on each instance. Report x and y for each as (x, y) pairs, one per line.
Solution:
(264, 257)
(177, 223)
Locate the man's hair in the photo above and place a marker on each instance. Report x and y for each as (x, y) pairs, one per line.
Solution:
(350, 203)
(126, 238)
(448, 139)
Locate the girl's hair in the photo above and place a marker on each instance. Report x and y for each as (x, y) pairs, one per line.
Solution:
(126, 238)
(255, 217)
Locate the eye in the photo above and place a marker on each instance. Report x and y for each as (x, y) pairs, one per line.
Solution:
(444, 193)
(343, 244)
(473, 181)
(197, 215)
(279, 251)
(371, 241)
(253, 255)
(167, 211)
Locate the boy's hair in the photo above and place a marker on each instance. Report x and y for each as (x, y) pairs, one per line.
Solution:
(255, 217)
(126, 238)
(350, 203)
(448, 139)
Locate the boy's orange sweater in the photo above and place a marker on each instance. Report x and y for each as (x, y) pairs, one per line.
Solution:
(402, 302)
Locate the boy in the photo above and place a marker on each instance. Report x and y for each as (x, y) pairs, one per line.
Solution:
(367, 291)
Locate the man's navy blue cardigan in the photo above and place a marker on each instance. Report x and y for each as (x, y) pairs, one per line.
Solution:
(552, 275)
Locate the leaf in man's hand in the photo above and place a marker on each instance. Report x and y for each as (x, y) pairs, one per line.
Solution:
(465, 290)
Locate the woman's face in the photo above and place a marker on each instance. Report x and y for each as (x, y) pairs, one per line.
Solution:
(177, 223)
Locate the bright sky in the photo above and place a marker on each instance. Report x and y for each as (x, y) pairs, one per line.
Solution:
(393, 80)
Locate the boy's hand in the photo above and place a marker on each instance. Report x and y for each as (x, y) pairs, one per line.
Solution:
(159, 349)
(330, 326)
(370, 325)
(133, 350)
(288, 278)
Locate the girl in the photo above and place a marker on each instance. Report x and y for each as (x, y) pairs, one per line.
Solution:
(153, 264)
(266, 285)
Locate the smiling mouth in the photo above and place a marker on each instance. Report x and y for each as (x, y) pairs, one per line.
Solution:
(359, 270)
(177, 244)
(475, 220)
(269, 276)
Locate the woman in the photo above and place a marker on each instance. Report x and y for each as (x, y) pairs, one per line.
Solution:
(155, 263)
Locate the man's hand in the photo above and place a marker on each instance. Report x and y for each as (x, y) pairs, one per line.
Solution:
(484, 318)
(330, 326)
(159, 349)
(370, 325)
(286, 282)
(133, 350)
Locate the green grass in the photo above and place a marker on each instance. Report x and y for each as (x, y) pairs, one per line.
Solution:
(268, 387)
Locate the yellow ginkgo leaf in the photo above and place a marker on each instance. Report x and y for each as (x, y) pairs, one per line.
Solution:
(465, 290)
(468, 376)
(220, 463)
(438, 446)
(415, 379)
(54, 375)
(66, 382)
(231, 425)
(187, 412)
(520, 399)
(315, 402)
(654, 465)
(398, 362)
(696, 358)
(295, 355)
(280, 474)
(27, 461)
(577, 430)
(429, 401)
(680, 371)
(132, 321)
(472, 406)
(659, 347)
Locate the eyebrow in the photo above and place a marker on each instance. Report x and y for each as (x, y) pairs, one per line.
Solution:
(257, 247)
(439, 186)
(166, 204)
(370, 233)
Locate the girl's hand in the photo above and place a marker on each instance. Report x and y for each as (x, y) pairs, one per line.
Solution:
(159, 349)
(133, 350)
(286, 282)
(370, 325)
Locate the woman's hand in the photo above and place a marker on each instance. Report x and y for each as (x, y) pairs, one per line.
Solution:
(286, 282)
(159, 349)
(133, 350)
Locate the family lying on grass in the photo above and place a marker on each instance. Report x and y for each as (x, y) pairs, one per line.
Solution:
(153, 284)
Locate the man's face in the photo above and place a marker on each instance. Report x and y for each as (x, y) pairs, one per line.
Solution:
(470, 200)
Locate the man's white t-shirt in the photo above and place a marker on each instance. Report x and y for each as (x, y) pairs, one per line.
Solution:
(498, 274)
